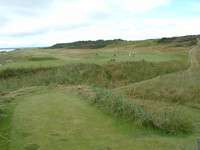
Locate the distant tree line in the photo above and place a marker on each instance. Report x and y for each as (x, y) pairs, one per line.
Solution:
(188, 40)
(86, 44)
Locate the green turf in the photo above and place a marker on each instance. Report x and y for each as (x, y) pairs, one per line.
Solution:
(58, 57)
(58, 119)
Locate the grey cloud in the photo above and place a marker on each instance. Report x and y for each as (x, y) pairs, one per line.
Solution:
(24, 34)
(27, 8)
(31, 4)
(42, 31)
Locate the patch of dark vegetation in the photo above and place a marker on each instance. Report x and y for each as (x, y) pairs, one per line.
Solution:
(41, 58)
(168, 121)
(180, 41)
(12, 72)
(86, 44)
(31, 147)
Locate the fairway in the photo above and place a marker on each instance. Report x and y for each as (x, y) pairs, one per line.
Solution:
(52, 119)
(36, 58)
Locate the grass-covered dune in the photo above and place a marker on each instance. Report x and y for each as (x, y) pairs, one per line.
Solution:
(181, 87)
(181, 41)
(189, 40)
(86, 44)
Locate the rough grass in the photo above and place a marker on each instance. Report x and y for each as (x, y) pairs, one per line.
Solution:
(9, 72)
(183, 87)
(41, 58)
(109, 76)
(167, 121)
(6, 113)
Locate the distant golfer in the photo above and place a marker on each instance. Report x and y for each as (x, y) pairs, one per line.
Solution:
(131, 54)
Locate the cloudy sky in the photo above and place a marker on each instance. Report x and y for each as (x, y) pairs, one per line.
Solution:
(46, 22)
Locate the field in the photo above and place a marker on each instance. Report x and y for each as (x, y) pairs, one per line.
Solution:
(106, 98)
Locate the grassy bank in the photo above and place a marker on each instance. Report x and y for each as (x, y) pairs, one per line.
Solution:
(109, 76)
(183, 87)
(167, 121)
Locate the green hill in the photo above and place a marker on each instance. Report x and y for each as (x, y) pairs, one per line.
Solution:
(177, 41)
(86, 44)
(188, 40)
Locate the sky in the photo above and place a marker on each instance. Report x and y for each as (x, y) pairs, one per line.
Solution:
(46, 22)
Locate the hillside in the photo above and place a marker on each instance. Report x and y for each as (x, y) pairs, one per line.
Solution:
(86, 44)
(188, 40)
(179, 41)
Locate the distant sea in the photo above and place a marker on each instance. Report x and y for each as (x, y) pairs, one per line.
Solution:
(12, 49)
(6, 49)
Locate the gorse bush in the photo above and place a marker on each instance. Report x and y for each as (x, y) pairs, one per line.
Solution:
(166, 121)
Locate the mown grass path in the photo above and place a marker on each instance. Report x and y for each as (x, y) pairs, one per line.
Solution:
(61, 120)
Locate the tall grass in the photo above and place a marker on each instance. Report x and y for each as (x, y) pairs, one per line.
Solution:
(166, 121)
(13, 56)
(108, 76)
(182, 87)
(5, 124)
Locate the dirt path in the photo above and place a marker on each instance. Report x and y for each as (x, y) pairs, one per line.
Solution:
(193, 57)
